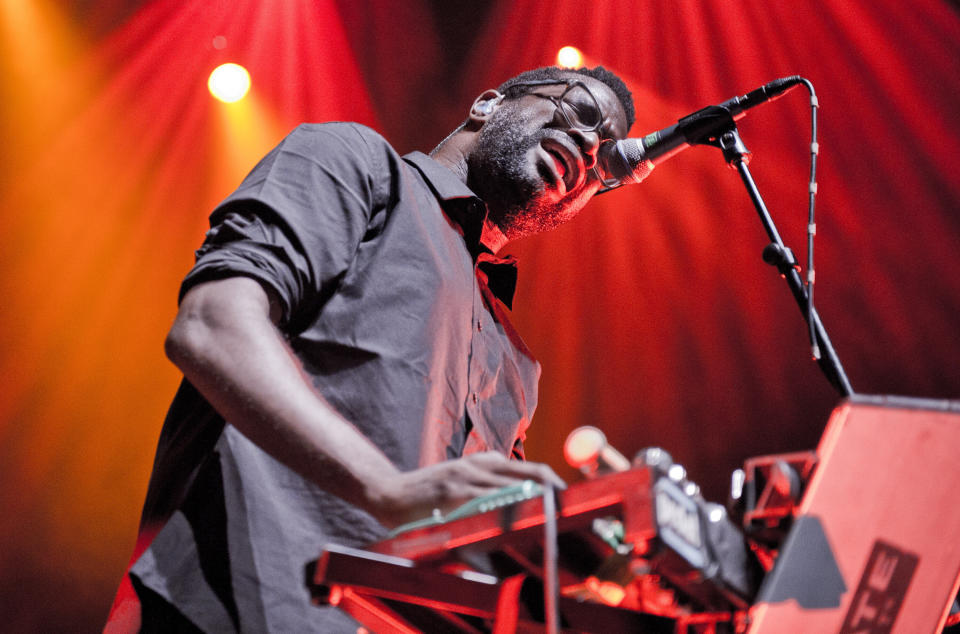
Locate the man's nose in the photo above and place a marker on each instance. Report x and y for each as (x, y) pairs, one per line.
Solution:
(589, 144)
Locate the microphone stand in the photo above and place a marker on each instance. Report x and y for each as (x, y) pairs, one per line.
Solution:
(715, 126)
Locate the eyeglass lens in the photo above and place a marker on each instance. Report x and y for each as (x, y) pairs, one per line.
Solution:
(580, 108)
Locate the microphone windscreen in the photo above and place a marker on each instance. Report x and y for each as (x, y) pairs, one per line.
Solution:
(583, 446)
(626, 161)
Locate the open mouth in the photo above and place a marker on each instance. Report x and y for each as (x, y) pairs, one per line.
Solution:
(565, 165)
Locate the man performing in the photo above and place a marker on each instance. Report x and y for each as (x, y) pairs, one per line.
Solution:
(348, 361)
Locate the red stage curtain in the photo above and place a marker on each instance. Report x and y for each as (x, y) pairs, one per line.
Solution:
(653, 314)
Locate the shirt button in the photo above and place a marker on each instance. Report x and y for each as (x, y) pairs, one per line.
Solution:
(474, 397)
(479, 326)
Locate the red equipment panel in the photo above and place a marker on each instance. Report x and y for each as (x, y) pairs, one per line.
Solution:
(876, 542)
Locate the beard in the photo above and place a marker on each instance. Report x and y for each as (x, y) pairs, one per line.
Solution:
(500, 172)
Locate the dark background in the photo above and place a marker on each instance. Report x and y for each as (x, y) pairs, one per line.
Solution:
(652, 313)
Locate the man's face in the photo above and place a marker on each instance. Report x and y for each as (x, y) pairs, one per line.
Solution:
(531, 167)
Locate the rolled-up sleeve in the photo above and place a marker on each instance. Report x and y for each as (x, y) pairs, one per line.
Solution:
(297, 220)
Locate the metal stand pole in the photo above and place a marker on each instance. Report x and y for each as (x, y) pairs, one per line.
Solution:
(779, 255)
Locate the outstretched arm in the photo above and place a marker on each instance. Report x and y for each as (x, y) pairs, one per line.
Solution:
(226, 343)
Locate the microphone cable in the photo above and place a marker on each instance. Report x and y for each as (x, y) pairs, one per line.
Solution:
(811, 223)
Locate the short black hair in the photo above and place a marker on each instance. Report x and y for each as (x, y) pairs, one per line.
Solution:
(599, 73)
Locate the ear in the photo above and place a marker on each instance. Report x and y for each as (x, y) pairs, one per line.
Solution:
(483, 107)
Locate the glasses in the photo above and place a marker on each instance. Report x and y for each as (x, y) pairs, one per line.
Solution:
(580, 110)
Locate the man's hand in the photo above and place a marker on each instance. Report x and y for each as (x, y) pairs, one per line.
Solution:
(445, 486)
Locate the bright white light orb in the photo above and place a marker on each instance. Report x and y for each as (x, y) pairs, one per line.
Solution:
(569, 57)
(229, 82)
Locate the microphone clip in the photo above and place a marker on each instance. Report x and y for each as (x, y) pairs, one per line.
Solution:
(734, 151)
(707, 125)
(716, 126)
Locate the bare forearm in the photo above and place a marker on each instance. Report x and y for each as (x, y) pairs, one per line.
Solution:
(239, 362)
(225, 343)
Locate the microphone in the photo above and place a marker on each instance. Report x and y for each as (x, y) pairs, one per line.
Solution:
(631, 160)
(586, 448)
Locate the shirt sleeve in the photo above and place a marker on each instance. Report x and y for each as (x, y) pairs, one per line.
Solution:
(296, 221)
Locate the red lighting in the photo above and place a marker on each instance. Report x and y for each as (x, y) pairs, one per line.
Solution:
(569, 57)
(336, 595)
(229, 82)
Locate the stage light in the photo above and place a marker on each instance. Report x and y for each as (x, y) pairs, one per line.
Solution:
(229, 82)
(569, 57)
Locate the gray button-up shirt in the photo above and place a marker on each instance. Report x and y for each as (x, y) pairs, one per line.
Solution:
(393, 306)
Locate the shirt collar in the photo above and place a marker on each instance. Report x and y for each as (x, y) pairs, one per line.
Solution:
(462, 206)
(444, 182)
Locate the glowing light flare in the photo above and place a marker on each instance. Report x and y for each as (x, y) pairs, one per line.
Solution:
(336, 595)
(607, 591)
(229, 82)
(569, 57)
(245, 131)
